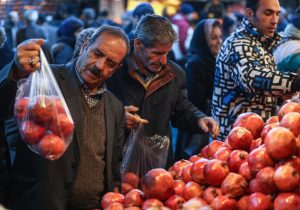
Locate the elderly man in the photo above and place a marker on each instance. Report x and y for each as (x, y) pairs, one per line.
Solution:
(153, 87)
(90, 165)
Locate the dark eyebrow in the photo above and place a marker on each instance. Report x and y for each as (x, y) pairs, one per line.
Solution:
(272, 11)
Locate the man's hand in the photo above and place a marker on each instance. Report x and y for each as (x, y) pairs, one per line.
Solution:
(27, 57)
(208, 124)
(133, 120)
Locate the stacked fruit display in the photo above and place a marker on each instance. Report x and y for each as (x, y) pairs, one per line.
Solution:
(256, 168)
(44, 124)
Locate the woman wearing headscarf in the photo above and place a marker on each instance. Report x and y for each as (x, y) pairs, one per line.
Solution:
(66, 38)
(200, 68)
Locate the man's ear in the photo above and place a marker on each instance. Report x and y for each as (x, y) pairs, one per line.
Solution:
(137, 43)
(249, 13)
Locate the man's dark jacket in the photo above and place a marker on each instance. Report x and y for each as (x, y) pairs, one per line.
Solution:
(164, 102)
(41, 184)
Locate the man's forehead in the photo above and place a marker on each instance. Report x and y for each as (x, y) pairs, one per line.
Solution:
(271, 5)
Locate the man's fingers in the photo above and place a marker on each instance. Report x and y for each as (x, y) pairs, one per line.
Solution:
(32, 44)
(131, 108)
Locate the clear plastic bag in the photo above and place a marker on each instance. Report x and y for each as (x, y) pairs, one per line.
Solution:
(44, 120)
(143, 154)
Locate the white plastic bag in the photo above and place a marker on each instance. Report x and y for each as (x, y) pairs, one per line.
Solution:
(144, 153)
(44, 120)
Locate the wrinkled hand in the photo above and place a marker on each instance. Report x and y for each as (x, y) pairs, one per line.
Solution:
(133, 120)
(26, 51)
(208, 124)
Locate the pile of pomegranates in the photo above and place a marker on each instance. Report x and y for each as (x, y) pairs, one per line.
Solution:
(256, 168)
(44, 124)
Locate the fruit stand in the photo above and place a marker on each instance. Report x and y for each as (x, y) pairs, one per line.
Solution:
(257, 167)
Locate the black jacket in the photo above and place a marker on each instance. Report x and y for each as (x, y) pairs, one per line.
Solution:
(164, 102)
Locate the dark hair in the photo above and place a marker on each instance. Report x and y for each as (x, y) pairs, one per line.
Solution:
(113, 30)
(154, 28)
(252, 4)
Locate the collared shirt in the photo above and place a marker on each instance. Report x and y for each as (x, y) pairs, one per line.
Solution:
(144, 78)
(91, 98)
(246, 79)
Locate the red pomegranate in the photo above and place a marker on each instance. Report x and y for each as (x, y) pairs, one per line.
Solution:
(244, 170)
(291, 121)
(222, 153)
(243, 203)
(266, 130)
(191, 190)
(239, 138)
(215, 172)
(287, 108)
(197, 170)
(186, 174)
(21, 107)
(280, 143)
(265, 180)
(178, 186)
(42, 108)
(58, 105)
(234, 185)
(194, 203)
(223, 202)
(158, 183)
(253, 186)
(175, 202)
(51, 146)
(285, 201)
(210, 193)
(213, 147)
(179, 165)
(134, 197)
(236, 159)
(258, 159)
(194, 158)
(125, 188)
(152, 203)
(259, 201)
(286, 178)
(130, 178)
(62, 126)
(271, 120)
(112, 197)
(31, 132)
(255, 144)
(252, 122)
(114, 206)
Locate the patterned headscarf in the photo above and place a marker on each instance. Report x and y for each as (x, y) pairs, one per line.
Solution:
(81, 38)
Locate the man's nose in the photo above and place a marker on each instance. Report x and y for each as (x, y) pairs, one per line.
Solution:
(275, 19)
(163, 59)
(100, 63)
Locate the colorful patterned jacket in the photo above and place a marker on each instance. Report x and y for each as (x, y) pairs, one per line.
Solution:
(246, 79)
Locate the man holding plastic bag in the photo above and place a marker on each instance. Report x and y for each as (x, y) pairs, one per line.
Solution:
(90, 165)
(153, 87)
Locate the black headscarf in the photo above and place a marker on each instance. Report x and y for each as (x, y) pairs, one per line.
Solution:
(199, 48)
(200, 66)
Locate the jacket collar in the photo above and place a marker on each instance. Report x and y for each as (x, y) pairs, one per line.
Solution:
(160, 79)
(267, 42)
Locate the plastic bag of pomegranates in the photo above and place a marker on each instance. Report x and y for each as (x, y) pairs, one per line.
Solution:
(143, 153)
(44, 120)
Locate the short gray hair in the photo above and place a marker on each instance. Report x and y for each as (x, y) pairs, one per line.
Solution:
(113, 30)
(154, 28)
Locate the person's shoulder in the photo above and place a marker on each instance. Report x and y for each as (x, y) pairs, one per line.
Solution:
(175, 67)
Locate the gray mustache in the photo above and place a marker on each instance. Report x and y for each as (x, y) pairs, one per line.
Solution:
(95, 71)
